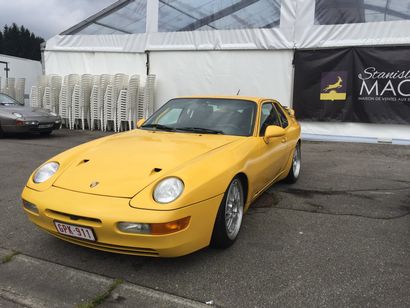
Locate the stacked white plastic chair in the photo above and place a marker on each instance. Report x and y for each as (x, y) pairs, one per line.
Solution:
(146, 104)
(72, 79)
(20, 86)
(37, 92)
(55, 88)
(112, 93)
(66, 94)
(9, 87)
(97, 100)
(94, 103)
(35, 101)
(127, 104)
(47, 99)
(81, 101)
(63, 109)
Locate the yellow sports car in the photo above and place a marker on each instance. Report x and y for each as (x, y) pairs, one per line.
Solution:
(178, 183)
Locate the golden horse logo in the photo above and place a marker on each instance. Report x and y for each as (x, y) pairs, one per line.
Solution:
(335, 85)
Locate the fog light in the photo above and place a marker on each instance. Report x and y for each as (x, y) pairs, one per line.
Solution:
(134, 227)
(30, 207)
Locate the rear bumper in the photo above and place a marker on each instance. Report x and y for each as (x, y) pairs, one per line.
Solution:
(103, 213)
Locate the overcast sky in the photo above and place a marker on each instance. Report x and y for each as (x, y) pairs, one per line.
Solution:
(47, 18)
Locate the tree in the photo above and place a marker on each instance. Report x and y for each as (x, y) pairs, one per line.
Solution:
(20, 42)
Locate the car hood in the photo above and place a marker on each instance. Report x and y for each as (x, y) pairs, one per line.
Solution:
(124, 164)
(27, 112)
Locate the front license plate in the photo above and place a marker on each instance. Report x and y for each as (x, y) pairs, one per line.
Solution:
(45, 125)
(75, 231)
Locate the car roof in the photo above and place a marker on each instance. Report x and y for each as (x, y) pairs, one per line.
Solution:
(255, 99)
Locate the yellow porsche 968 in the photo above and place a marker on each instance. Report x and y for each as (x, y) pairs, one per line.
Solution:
(179, 182)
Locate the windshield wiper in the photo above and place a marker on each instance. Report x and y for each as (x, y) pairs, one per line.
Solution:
(159, 126)
(201, 130)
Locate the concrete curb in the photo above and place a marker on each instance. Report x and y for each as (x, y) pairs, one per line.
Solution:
(36, 283)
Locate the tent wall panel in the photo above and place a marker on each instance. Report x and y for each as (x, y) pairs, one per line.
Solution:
(21, 68)
(65, 63)
(254, 73)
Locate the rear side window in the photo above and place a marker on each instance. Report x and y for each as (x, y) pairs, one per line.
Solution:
(283, 119)
(269, 116)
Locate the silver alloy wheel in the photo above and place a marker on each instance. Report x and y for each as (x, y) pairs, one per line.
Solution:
(296, 162)
(234, 209)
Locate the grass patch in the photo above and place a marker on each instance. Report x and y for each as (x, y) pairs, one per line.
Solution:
(9, 257)
(99, 299)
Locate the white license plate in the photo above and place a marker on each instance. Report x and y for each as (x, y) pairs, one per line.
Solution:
(75, 231)
(45, 125)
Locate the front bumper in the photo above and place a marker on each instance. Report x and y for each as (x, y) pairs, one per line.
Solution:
(102, 214)
(39, 127)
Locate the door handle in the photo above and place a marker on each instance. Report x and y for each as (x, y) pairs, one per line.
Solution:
(284, 139)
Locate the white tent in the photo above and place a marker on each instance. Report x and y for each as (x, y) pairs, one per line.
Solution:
(226, 46)
(20, 68)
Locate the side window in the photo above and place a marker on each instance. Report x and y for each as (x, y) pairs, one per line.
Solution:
(282, 116)
(269, 116)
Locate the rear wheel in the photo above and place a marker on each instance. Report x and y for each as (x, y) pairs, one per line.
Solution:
(229, 218)
(294, 171)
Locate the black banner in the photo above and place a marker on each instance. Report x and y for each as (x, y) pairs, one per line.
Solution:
(358, 84)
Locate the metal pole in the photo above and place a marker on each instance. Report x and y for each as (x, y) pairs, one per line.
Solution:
(6, 69)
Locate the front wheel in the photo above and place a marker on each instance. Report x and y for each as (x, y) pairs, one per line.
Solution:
(229, 218)
(294, 171)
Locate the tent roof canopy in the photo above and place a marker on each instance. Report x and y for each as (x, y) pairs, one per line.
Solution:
(130, 16)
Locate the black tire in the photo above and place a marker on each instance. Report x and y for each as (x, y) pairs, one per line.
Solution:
(1, 133)
(294, 171)
(223, 235)
(48, 133)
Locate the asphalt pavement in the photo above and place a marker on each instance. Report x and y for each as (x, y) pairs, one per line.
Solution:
(339, 237)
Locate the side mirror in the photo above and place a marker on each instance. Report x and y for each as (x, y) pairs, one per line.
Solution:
(140, 122)
(273, 131)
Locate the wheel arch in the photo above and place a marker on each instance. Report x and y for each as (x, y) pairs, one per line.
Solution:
(245, 182)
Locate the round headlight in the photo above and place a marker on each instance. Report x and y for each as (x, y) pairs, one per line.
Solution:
(168, 190)
(45, 172)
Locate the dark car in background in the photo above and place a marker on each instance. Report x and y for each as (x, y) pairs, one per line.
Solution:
(18, 118)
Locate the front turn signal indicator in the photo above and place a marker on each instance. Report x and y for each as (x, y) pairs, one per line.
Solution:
(170, 227)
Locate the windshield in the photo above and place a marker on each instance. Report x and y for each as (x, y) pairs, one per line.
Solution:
(205, 116)
(6, 100)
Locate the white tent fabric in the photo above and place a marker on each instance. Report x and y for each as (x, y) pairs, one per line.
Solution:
(21, 68)
(253, 73)
(96, 63)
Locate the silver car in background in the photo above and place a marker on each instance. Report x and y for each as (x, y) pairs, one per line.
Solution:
(18, 118)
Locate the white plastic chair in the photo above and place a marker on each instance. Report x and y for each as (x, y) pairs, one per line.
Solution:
(20, 86)
(72, 80)
(146, 99)
(97, 100)
(34, 99)
(81, 101)
(55, 89)
(64, 110)
(109, 108)
(47, 98)
(127, 104)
